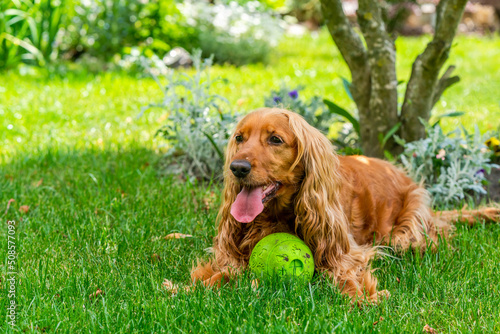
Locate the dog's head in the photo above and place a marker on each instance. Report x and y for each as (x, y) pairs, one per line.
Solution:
(273, 155)
(262, 163)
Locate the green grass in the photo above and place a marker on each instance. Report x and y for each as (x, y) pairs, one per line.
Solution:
(72, 150)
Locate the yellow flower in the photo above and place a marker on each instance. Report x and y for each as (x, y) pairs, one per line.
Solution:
(492, 142)
(494, 145)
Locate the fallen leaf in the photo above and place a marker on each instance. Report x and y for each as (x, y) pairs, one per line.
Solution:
(376, 322)
(38, 184)
(8, 204)
(177, 236)
(96, 294)
(24, 208)
(429, 329)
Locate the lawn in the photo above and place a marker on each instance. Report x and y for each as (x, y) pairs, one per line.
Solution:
(73, 150)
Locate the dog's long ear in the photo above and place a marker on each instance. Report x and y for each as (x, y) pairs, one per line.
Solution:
(229, 230)
(319, 215)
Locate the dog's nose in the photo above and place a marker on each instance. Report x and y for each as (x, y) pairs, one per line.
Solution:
(240, 168)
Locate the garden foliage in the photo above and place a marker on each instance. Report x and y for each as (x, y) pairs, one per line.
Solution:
(452, 166)
(38, 32)
(198, 123)
(102, 28)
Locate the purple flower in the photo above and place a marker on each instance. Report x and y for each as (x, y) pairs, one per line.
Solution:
(480, 173)
(293, 94)
(277, 99)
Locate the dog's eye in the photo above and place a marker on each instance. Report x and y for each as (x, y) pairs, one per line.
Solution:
(239, 138)
(275, 140)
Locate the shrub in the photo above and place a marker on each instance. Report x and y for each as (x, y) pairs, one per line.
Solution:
(197, 128)
(101, 28)
(233, 33)
(452, 166)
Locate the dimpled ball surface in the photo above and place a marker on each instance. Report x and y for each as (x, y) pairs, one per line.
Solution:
(284, 255)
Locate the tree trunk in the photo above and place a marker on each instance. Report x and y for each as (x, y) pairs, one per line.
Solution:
(373, 70)
(382, 112)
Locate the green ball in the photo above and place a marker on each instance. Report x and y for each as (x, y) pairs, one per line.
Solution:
(282, 255)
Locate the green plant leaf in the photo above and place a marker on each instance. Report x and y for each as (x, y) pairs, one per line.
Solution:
(34, 32)
(450, 114)
(347, 87)
(399, 140)
(389, 134)
(219, 152)
(389, 156)
(334, 108)
(25, 45)
(15, 12)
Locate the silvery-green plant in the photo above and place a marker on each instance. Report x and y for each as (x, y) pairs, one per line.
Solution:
(452, 166)
(233, 33)
(198, 124)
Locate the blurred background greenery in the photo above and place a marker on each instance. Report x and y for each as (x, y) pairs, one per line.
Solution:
(79, 72)
(98, 33)
(39, 32)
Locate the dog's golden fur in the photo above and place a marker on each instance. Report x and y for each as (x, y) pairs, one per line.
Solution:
(340, 206)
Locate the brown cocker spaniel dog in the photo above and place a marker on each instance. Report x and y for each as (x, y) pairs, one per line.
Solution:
(282, 175)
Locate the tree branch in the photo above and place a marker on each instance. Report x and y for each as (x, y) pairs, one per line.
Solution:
(439, 14)
(383, 103)
(443, 83)
(352, 49)
(420, 92)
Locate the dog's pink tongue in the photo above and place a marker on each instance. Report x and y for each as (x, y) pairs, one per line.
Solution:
(248, 205)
